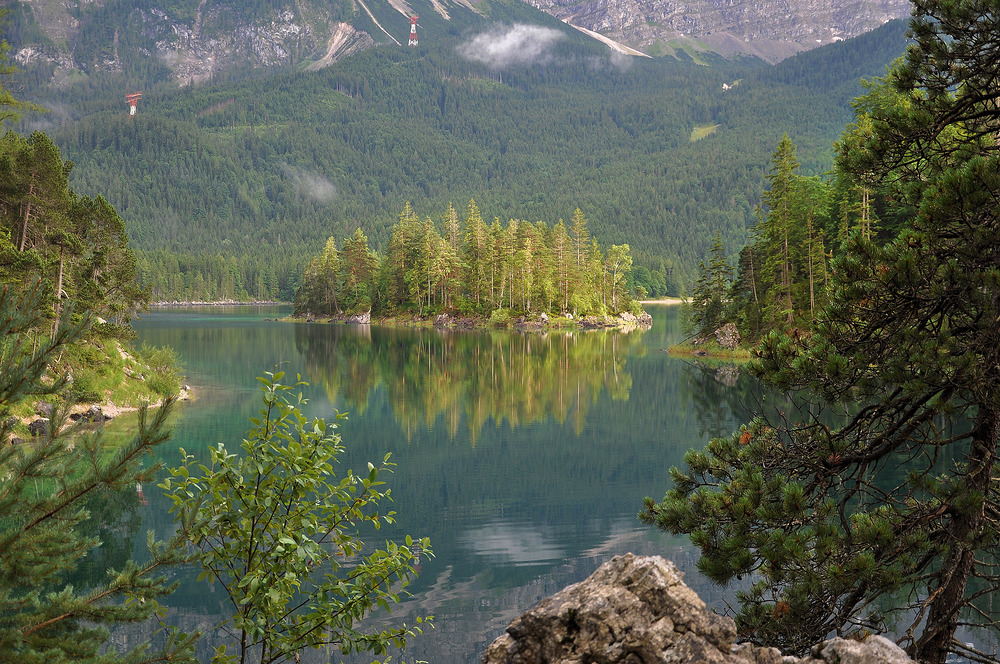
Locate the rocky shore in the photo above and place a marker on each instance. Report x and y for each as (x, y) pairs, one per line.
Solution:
(538, 323)
(45, 412)
(637, 610)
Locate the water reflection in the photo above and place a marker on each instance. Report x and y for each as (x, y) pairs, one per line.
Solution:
(524, 457)
(441, 376)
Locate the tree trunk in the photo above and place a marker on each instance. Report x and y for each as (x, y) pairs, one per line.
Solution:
(963, 532)
(27, 215)
(58, 307)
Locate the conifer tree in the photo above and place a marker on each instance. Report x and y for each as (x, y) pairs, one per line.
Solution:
(44, 488)
(618, 265)
(474, 253)
(779, 231)
(708, 301)
(890, 517)
(452, 280)
(563, 263)
(359, 267)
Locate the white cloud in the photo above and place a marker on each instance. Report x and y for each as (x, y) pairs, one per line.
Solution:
(315, 186)
(516, 44)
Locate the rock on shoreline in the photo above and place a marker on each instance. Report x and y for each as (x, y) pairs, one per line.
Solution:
(637, 610)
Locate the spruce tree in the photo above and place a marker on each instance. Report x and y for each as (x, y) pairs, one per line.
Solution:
(708, 302)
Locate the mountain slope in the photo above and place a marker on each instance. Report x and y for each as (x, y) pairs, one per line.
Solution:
(238, 180)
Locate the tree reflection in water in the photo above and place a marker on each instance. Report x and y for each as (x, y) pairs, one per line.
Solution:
(504, 377)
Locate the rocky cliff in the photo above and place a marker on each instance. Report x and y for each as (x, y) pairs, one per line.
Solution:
(196, 39)
(83, 36)
(770, 29)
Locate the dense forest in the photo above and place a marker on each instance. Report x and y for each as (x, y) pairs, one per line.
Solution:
(783, 277)
(70, 256)
(227, 188)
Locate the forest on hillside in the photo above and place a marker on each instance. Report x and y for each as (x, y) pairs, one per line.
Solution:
(228, 188)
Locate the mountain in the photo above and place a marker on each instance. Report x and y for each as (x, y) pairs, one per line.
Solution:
(230, 182)
(196, 40)
(771, 30)
(193, 41)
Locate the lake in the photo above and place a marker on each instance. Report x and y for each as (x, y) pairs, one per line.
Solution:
(524, 457)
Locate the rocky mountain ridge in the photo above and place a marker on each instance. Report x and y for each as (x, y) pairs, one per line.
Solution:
(769, 29)
(77, 37)
(196, 39)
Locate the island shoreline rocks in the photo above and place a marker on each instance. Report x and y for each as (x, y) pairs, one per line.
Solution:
(537, 323)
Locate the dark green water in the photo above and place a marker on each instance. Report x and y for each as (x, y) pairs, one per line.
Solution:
(524, 458)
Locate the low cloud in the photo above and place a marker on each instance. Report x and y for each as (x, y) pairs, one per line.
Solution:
(516, 44)
(314, 186)
(56, 115)
(621, 61)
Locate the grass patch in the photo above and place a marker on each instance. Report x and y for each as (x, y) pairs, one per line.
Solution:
(711, 349)
(701, 131)
(104, 370)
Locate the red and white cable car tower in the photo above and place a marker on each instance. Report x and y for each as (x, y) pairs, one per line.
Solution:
(133, 101)
(413, 31)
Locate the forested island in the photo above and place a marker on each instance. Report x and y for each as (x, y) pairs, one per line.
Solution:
(479, 273)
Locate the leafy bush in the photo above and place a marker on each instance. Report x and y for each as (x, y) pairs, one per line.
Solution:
(165, 369)
(85, 388)
(500, 318)
(290, 558)
(120, 331)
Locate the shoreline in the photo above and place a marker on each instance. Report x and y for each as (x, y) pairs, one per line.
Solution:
(82, 413)
(623, 321)
(665, 300)
(215, 303)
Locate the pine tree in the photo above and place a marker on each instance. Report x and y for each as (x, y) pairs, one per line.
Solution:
(890, 516)
(44, 489)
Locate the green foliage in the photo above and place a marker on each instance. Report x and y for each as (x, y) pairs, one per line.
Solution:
(281, 533)
(500, 318)
(45, 488)
(475, 270)
(783, 275)
(76, 244)
(708, 301)
(885, 521)
(165, 369)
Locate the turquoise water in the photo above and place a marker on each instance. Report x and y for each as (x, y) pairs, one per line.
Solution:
(524, 458)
